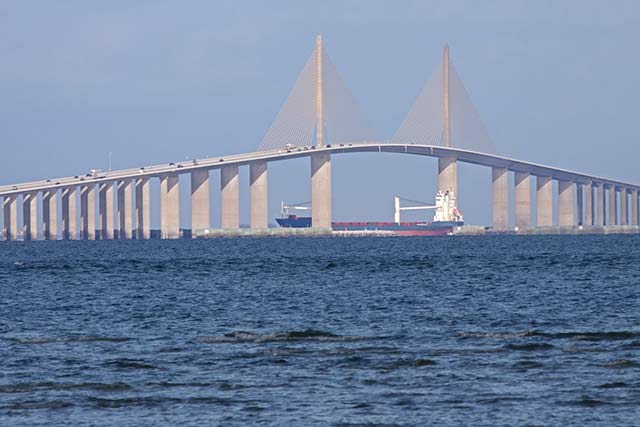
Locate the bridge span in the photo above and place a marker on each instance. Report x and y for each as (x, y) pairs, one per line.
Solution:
(442, 123)
(581, 197)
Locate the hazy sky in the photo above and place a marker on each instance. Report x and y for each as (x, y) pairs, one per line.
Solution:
(556, 82)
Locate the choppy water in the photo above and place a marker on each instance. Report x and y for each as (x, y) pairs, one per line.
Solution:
(485, 330)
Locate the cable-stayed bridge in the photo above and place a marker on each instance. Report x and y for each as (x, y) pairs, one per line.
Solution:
(320, 118)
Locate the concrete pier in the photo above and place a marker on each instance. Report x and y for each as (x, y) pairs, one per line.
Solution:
(66, 218)
(69, 202)
(624, 210)
(447, 168)
(229, 197)
(259, 190)
(72, 229)
(30, 216)
(170, 207)
(26, 216)
(634, 207)
(10, 208)
(88, 211)
(588, 204)
(601, 204)
(613, 207)
(200, 210)
(544, 196)
(143, 208)
(522, 198)
(50, 215)
(321, 190)
(579, 204)
(500, 199)
(320, 162)
(110, 211)
(566, 203)
(106, 211)
(102, 209)
(125, 210)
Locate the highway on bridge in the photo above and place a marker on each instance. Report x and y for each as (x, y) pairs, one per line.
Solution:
(482, 159)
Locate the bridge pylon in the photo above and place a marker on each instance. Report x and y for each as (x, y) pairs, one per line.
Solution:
(447, 167)
(320, 162)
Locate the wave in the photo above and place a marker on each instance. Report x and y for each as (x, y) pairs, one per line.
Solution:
(622, 363)
(252, 337)
(167, 384)
(528, 364)
(129, 364)
(529, 347)
(580, 336)
(31, 404)
(42, 386)
(158, 401)
(586, 402)
(70, 339)
(617, 384)
(410, 363)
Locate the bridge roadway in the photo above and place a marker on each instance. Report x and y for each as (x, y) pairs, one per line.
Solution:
(582, 199)
(466, 156)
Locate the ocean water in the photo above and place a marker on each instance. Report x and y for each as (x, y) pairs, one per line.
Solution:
(475, 330)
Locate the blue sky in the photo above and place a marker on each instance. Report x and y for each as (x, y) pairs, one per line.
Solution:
(555, 82)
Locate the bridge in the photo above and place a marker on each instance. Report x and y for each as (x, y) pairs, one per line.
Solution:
(319, 119)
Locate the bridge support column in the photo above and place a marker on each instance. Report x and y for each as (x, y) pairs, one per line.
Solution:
(30, 216)
(565, 203)
(66, 223)
(448, 176)
(522, 198)
(10, 207)
(102, 210)
(170, 207)
(259, 184)
(634, 207)
(110, 211)
(106, 211)
(601, 205)
(125, 210)
(544, 196)
(588, 204)
(229, 197)
(88, 211)
(613, 206)
(624, 211)
(500, 199)
(143, 208)
(321, 190)
(72, 229)
(579, 204)
(200, 214)
(49, 215)
(69, 206)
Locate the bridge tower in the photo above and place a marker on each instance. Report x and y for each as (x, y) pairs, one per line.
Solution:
(447, 169)
(320, 162)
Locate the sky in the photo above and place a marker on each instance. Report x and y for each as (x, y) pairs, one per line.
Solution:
(555, 82)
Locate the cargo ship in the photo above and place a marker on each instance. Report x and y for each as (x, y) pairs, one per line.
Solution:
(446, 217)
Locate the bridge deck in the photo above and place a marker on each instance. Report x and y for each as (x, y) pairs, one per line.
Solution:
(482, 159)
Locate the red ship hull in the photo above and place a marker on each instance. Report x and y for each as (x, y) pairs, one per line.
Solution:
(437, 228)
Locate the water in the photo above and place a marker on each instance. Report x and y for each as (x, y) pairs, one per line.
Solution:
(481, 330)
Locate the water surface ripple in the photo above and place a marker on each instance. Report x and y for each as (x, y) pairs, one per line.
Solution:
(477, 330)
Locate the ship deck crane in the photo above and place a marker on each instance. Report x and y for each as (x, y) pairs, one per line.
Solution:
(285, 209)
(399, 208)
(445, 207)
